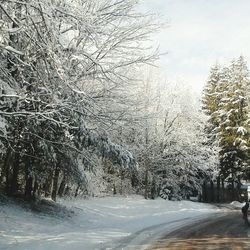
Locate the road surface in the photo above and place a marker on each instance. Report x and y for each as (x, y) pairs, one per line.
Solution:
(225, 232)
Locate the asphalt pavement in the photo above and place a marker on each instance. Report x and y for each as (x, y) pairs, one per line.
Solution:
(219, 232)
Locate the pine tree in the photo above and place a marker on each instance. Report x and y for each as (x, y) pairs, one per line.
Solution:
(225, 101)
(234, 129)
(211, 101)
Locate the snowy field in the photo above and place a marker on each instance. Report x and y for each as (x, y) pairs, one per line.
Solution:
(100, 223)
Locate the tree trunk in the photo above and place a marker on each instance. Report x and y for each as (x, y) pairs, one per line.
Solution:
(153, 190)
(6, 170)
(77, 189)
(212, 190)
(204, 192)
(5, 165)
(47, 187)
(114, 189)
(218, 190)
(28, 188)
(55, 184)
(35, 189)
(146, 183)
(233, 191)
(2, 173)
(62, 187)
(223, 191)
(134, 180)
(121, 186)
(14, 180)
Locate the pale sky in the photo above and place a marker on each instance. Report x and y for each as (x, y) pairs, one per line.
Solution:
(200, 33)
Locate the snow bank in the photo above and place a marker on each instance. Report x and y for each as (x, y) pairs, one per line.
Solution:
(237, 204)
(100, 223)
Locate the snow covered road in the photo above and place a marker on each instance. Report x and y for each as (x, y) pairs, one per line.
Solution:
(100, 223)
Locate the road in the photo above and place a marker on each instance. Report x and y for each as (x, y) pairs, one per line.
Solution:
(225, 232)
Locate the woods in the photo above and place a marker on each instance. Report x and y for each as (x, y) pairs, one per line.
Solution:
(61, 64)
(85, 110)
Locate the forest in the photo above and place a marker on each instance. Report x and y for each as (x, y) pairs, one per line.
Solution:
(85, 109)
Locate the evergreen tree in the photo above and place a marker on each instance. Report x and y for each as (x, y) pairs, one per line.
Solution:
(234, 129)
(225, 101)
(211, 101)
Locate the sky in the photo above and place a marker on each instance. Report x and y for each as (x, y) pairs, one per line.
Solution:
(198, 34)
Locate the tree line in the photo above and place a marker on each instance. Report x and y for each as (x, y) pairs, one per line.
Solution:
(78, 113)
(61, 64)
(226, 102)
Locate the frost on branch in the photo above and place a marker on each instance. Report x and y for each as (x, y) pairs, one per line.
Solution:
(62, 64)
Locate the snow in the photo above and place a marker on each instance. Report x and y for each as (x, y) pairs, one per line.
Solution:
(98, 223)
(11, 49)
(241, 130)
(237, 204)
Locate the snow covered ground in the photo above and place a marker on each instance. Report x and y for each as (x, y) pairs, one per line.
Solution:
(98, 223)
